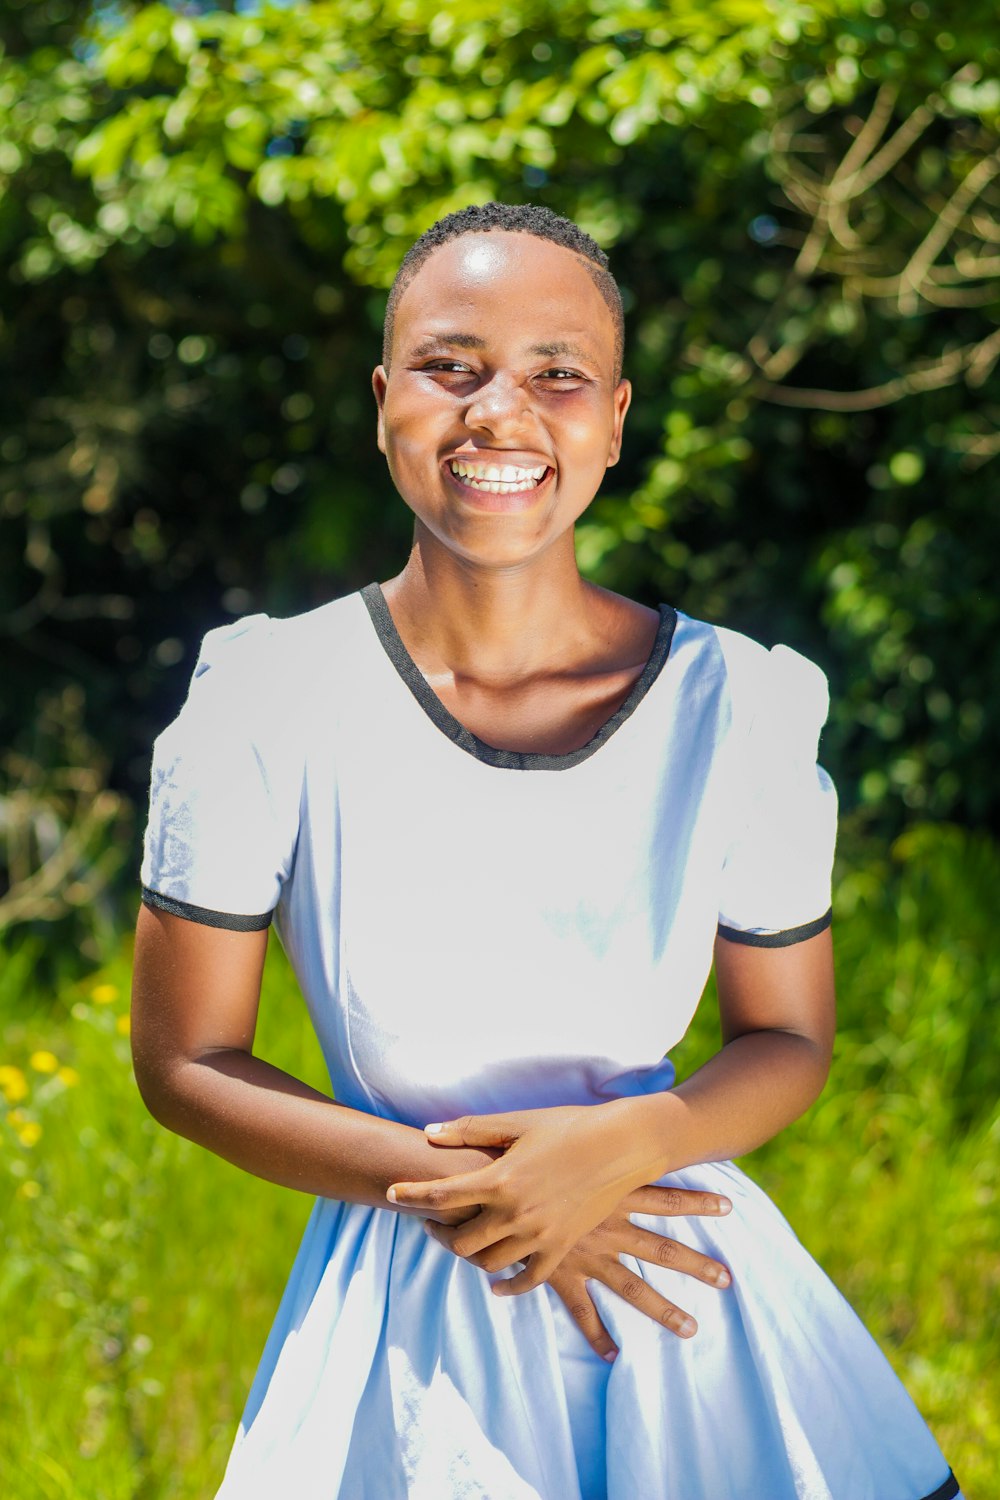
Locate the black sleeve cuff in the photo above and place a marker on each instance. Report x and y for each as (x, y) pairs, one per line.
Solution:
(232, 921)
(778, 939)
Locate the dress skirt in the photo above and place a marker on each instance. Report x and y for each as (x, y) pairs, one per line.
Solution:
(392, 1373)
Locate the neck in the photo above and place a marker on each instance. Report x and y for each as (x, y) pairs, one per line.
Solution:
(493, 624)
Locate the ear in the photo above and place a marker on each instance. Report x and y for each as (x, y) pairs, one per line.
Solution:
(380, 379)
(622, 399)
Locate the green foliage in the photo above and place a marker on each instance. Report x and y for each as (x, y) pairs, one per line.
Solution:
(892, 1179)
(61, 839)
(113, 1229)
(155, 1268)
(915, 947)
(202, 209)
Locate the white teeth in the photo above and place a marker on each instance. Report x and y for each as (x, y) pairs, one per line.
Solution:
(498, 480)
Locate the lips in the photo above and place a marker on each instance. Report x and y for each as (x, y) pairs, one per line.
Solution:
(480, 491)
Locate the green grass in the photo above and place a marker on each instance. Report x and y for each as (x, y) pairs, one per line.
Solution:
(140, 1273)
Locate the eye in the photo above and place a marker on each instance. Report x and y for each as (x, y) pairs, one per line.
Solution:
(447, 366)
(560, 376)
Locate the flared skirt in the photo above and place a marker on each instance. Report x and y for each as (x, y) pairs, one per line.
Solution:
(392, 1373)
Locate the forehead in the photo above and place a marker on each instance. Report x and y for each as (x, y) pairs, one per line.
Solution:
(506, 282)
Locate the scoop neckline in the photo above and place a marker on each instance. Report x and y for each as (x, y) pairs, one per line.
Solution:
(510, 760)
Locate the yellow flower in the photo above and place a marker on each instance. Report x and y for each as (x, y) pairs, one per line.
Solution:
(29, 1190)
(30, 1134)
(16, 1116)
(104, 994)
(69, 1076)
(44, 1062)
(13, 1083)
(123, 1025)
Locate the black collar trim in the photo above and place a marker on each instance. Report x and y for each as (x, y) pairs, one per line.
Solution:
(510, 760)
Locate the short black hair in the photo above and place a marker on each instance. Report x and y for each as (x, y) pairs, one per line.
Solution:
(522, 218)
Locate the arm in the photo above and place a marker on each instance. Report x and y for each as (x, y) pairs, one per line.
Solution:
(564, 1169)
(195, 997)
(196, 993)
(777, 1008)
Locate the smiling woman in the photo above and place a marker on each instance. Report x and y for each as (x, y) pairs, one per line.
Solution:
(504, 821)
(473, 391)
(498, 451)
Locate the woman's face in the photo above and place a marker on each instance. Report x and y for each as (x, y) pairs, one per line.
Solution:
(500, 411)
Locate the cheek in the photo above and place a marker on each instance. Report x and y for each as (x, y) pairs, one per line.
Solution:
(585, 437)
(408, 428)
(401, 446)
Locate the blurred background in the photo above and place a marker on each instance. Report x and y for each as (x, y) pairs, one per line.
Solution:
(202, 208)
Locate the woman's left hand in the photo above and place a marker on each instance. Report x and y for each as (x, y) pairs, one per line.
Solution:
(562, 1173)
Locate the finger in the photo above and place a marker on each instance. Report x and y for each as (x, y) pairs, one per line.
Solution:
(462, 1191)
(498, 1257)
(578, 1302)
(660, 1251)
(640, 1294)
(475, 1130)
(676, 1202)
(474, 1236)
(538, 1269)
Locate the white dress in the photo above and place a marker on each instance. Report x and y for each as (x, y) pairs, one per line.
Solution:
(477, 930)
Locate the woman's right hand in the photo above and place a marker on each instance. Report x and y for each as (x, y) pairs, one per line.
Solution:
(594, 1257)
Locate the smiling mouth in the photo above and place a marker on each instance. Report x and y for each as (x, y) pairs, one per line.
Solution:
(497, 479)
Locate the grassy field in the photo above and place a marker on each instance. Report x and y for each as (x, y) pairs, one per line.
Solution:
(140, 1273)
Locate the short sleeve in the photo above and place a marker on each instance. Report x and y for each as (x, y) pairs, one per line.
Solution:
(222, 816)
(776, 880)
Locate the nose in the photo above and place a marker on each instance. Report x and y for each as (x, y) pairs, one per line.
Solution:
(498, 406)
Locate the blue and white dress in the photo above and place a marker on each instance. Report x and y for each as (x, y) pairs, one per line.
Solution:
(477, 930)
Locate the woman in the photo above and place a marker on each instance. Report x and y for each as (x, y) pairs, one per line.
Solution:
(504, 819)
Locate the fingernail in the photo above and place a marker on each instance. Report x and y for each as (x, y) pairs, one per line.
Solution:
(722, 1278)
(391, 1195)
(687, 1327)
(433, 1129)
(725, 1207)
(611, 1357)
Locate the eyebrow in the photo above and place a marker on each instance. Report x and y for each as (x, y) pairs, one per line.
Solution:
(447, 341)
(551, 350)
(561, 346)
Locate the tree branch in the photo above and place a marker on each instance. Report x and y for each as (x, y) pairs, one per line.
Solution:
(976, 360)
(941, 231)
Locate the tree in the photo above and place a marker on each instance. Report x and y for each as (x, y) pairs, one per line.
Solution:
(203, 210)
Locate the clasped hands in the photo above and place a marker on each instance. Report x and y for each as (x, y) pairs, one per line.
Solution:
(557, 1197)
